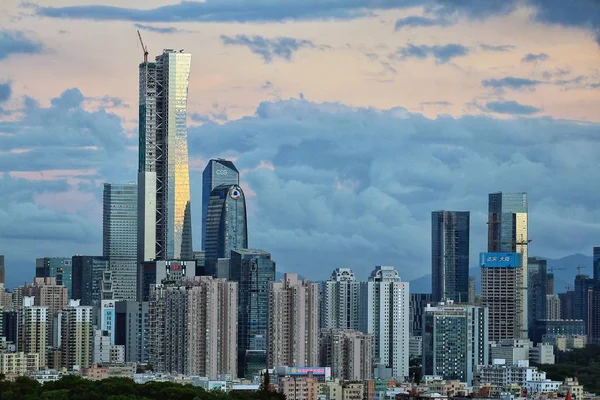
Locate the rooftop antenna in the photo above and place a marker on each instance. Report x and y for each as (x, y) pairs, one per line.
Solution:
(144, 48)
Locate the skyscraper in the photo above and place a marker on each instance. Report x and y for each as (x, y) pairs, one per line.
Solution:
(119, 237)
(293, 334)
(501, 282)
(455, 341)
(340, 301)
(217, 172)
(131, 329)
(508, 233)
(33, 329)
(77, 335)
(45, 292)
(596, 265)
(226, 224)
(87, 277)
(348, 352)
(254, 270)
(536, 291)
(164, 213)
(2, 270)
(60, 268)
(385, 315)
(417, 304)
(450, 255)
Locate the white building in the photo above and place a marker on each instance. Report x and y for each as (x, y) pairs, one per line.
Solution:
(385, 314)
(500, 374)
(340, 301)
(545, 386)
(511, 350)
(101, 353)
(542, 354)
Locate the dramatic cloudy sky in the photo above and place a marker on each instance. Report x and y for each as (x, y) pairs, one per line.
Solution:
(351, 120)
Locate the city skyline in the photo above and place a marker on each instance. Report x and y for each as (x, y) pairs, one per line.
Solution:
(519, 96)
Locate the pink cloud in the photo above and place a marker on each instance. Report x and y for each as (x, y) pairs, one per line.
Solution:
(53, 174)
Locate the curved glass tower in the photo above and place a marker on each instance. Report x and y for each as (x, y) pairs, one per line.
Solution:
(226, 223)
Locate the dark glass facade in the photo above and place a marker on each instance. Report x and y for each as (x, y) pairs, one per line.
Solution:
(536, 291)
(597, 264)
(418, 302)
(226, 224)
(450, 255)
(217, 172)
(87, 278)
(2, 270)
(254, 270)
(502, 222)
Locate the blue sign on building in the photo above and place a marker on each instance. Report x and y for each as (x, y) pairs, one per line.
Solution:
(500, 260)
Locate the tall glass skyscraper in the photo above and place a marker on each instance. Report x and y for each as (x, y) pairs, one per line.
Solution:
(217, 172)
(507, 232)
(450, 255)
(164, 221)
(119, 234)
(596, 264)
(537, 279)
(226, 224)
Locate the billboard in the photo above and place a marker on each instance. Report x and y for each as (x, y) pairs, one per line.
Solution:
(107, 318)
(322, 371)
(500, 260)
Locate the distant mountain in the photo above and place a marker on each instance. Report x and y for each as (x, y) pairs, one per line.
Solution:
(564, 268)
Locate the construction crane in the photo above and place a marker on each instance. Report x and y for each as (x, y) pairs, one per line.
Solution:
(144, 48)
(579, 268)
(552, 269)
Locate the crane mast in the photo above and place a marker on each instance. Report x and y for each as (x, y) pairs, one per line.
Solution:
(144, 48)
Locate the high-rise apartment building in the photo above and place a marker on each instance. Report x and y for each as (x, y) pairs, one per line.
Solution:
(348, 352)
(293, 334)
(77, 336)
(164, 212)
(455, 341)
(119, 237)
(192, 328)
(33, 329)
(385, 315)
(60, 268)
(2, 269)
(450, 255)
(217, 172)
(254, 270)
(508, 233)
(87, 278)
(537, 282)
(501, 282)
(226, 225)
(340, 301)
(47, 293)
(131, 330)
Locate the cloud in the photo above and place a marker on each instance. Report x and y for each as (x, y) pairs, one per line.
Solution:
(500, 48)
(15, 42)
(436, 103)
(355, 205)
(280, 47)
(5, 91)
(415, 21)
(441, 53)
(511, 107)
(158, 29)
(532, 57)
(511, 83)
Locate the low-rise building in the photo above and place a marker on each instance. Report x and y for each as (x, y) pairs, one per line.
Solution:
(572, 386)
(19, 364)
(542, 353)
(299, 388)
(502, 375)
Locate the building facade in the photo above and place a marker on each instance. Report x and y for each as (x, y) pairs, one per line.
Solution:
(552, 307)
(59, 268)
(455, 341)
(87, 276)
(348, 352)
(2, 269)
(34, 329)
(164, 212)
(450, 255)
(537, 281)
(418, 302)
(132, 329)
(385, 315)
(254, 270)
(293, 334)
(47, 293)
(217, 172)
(501, 282)
(77, 336)
(508, 232)
(340, 301)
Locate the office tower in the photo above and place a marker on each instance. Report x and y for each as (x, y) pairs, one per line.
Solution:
(192, 328)
(10, 326)
(385, 315)
(131, 330)
(340, 301)
(87, 277)
(56, 267)
(173, 271)
(77, 335)
(501, 282)
(47, 293)
(217, 172)
(455, 341)
(536, 292)
(507, 233)
(293, 334)
(596, 264)
(593, 317)
(33, 329)
(164, 213)
(254, 270)
(2, 270)
(348, 352)
(566, 304)
(472, 291)
(450, 255)
(417, 304)
(552, 307)
(226, 224)
(119, 237)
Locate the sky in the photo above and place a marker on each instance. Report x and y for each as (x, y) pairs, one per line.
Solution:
(350, 120)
